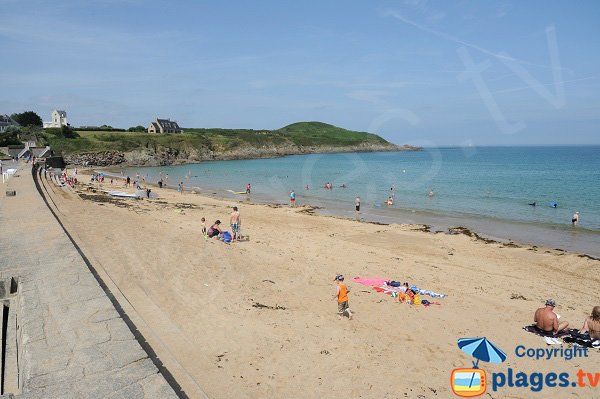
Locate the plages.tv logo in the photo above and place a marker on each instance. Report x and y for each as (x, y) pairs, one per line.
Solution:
(469, 382)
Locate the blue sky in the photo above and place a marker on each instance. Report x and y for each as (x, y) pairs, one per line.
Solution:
(414, 71)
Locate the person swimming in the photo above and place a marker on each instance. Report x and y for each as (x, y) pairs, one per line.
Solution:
(532, 204)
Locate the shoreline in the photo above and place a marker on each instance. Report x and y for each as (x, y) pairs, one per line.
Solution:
(141, 158)
(257, 317)
(433, 223)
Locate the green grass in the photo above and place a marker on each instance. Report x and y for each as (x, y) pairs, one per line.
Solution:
(304, 134)
(322, 134)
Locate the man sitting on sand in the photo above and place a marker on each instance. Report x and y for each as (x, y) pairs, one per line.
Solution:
(546, 320)
(592, 324)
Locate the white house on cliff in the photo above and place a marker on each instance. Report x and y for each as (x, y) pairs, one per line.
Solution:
(59, 119)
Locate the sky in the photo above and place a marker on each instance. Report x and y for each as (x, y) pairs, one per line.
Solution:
(434, 73)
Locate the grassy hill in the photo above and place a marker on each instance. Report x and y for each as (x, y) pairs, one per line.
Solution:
(204, 144)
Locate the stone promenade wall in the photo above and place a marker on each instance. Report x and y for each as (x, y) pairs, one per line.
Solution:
(64, 336)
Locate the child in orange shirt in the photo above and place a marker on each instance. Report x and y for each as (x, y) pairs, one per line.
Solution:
(341, 295)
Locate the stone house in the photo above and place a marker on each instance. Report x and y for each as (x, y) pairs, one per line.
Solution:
(6, 122)
(164, 126)
(59, 119)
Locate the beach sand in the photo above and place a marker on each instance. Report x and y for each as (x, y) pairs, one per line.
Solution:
(198, 302)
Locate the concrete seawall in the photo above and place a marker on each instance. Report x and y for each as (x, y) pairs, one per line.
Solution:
(62, 336)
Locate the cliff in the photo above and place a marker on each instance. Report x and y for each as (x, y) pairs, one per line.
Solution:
(197, 145)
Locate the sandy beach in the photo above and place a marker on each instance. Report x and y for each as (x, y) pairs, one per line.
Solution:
(258, 319)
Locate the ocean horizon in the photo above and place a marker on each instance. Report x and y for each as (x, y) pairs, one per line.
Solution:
(488, 189)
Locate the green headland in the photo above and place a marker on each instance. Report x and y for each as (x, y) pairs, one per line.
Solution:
(105, 148)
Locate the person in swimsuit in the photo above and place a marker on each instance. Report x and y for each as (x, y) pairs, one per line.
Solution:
(357, 204)
(292, 198)
(214, 230)
(591, 324)
(575, 219)
(235, 220)
(547, 321)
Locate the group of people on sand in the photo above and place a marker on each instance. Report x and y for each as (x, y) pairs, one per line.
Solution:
(406, 294)
(547, 321)
(215, 231)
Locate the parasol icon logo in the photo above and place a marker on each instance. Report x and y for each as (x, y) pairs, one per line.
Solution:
(470, 382)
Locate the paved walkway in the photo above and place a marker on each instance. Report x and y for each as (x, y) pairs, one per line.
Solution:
(74, 343)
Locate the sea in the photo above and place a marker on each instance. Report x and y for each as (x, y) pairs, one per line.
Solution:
(489, 190)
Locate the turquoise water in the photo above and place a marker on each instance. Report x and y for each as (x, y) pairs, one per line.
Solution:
(486, 188)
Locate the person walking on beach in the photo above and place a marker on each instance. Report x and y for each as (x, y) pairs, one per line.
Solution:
(357, 204)
(341, 294)
(248, 188)
(575, 219)
(128, 181)
(292, 198)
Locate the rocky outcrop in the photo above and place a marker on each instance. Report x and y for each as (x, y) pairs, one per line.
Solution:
(157, 156)
(104, 158)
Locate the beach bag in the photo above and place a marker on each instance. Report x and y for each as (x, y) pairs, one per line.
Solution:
(226, 237)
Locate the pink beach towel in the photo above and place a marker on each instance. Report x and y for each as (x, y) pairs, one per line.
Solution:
(371, 281)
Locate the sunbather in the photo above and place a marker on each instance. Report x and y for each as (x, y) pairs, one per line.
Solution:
(591, 324)
(546, 320)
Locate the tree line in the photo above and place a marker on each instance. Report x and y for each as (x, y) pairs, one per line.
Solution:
(32, 119)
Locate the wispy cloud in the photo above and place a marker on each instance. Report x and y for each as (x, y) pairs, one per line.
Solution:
(513, 89)
(445, 36)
